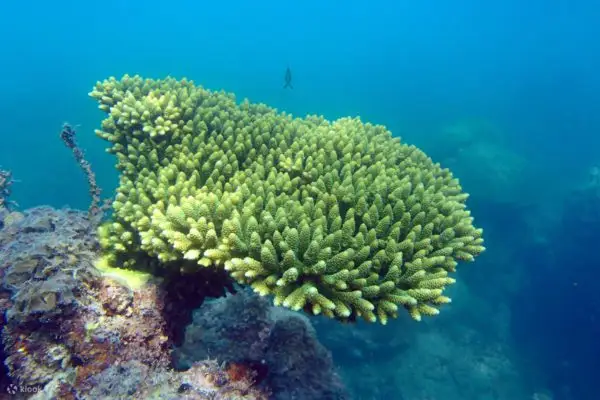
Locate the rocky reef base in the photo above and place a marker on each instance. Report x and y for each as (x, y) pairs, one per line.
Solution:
(71, 331)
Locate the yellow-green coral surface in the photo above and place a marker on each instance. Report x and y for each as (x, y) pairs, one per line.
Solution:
(335, 218)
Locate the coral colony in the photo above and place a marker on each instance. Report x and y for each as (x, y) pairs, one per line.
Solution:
(222, 209)
(337, 218)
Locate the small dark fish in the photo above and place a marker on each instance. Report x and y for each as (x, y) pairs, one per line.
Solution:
(288, 79)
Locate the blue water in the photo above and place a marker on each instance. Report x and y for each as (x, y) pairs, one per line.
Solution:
(520, 80)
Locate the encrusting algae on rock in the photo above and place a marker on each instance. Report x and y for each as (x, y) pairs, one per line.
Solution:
(335, 218)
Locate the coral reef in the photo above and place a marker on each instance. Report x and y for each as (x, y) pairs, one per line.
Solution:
(450, 357)
(443, 366)
(489, 167)
(335, 218)
(278, 346)
(63, 321)
(572, 294)
(205, 380)
(74, 329)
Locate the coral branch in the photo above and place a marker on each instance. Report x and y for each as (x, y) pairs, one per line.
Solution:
(97, 206)
(6, 182)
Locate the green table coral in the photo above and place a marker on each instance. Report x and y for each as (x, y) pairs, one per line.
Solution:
(335, 218)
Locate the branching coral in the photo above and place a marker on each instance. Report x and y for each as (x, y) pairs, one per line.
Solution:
(97, 207)
(336, 218)
(6, 182)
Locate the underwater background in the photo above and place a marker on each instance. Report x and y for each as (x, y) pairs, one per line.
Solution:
(505, 94)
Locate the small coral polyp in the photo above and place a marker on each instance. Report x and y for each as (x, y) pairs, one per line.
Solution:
(335, 218)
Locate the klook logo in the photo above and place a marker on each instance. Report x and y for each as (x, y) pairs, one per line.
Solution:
(14, 389)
